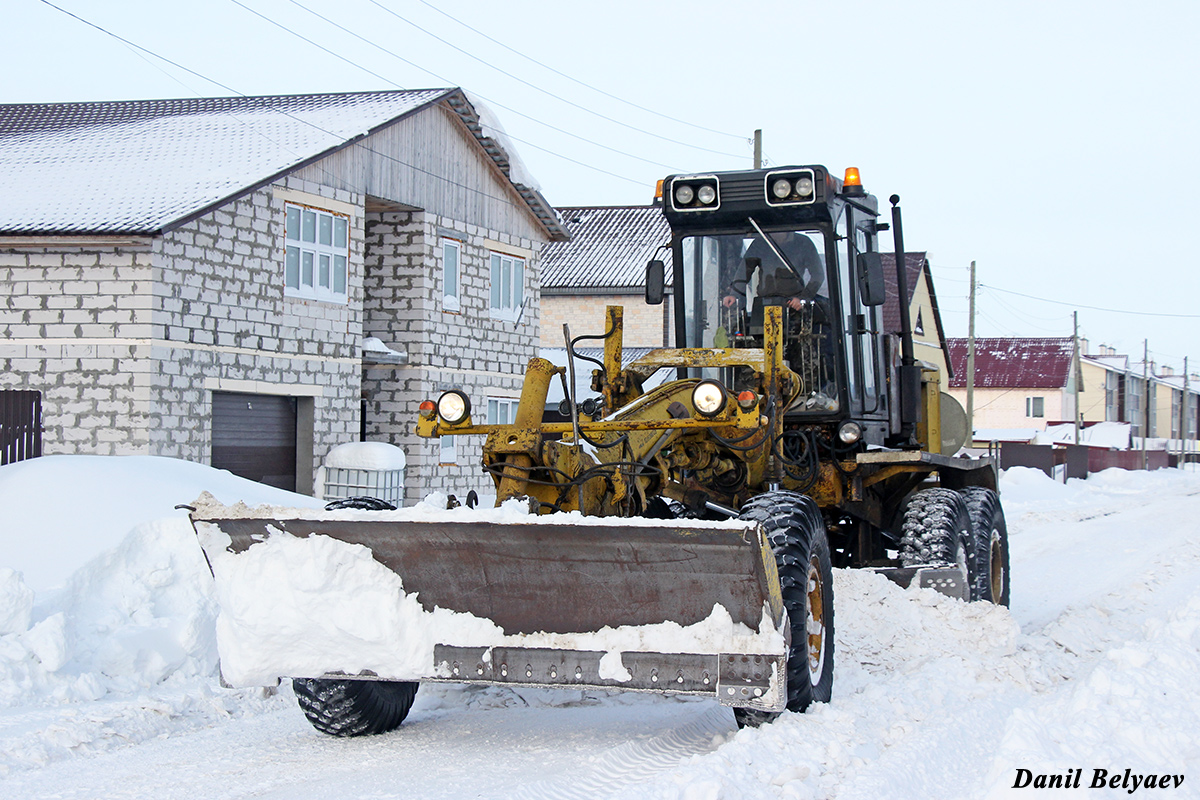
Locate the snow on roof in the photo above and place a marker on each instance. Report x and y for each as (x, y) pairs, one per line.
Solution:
(609, 249)
(1108, 435)
(1010, 363)
(1109, 362)
(144, 166)
(1005, 434)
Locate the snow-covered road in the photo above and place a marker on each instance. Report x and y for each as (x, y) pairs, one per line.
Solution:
(107, 688)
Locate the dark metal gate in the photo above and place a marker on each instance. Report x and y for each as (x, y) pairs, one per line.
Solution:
(20, 425)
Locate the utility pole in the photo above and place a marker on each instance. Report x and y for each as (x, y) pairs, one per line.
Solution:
(971, 361)
(1145, 399)
(758, 149)
(1183, 421)
(1078, 377)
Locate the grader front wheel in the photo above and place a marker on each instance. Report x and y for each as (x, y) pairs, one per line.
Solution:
(796, 530)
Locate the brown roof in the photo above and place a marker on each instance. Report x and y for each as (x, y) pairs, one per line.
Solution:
(1009, 363)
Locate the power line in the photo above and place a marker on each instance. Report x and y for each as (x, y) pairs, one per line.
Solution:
(1091, 308)
(576, 80)
(350, 61)
(386, 156)
(543, 90)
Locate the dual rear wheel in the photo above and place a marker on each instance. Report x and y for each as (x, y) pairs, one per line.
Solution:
(966, 529)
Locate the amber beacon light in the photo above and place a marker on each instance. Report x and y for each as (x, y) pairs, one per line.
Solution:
(852, 184)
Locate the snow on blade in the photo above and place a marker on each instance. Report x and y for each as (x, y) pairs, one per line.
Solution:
(305, 606)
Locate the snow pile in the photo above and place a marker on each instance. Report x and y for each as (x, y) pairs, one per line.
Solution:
(61, 511)
(366, 455)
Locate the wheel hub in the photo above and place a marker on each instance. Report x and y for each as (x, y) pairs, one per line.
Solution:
(816, 621)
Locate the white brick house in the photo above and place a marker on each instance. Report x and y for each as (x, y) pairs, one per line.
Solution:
(195, 278)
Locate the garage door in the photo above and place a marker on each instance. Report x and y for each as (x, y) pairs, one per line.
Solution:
(254, 436)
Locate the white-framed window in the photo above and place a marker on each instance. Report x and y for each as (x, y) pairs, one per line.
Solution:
(501, 410)
(448, 452)
(316, 254)
(1035, 406)
(508, 285)
(451, 259)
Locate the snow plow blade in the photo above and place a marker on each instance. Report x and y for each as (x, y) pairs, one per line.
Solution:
(595, 602)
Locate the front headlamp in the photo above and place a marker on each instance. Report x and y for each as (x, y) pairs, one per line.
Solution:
(453, 407)
(708, 398)
(850, 432)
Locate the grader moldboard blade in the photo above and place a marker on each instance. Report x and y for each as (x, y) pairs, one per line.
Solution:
(645, 605)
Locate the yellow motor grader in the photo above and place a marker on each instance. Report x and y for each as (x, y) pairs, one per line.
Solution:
(681, 534)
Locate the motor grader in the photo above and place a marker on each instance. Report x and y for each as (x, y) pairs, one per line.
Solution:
(680, 534)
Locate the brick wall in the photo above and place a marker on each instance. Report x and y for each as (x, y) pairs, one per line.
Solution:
(467, 349)
(586, 314)
(73, 325)
(127, 343)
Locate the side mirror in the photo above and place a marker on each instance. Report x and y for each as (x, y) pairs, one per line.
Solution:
(871, 289)
(656, 278)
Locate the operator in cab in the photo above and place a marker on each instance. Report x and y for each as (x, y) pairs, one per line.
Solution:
(777, 284)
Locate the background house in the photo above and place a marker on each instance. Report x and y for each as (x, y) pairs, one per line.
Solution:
(929, 338)
(1019, 383)
(195, 278)
(603, 264)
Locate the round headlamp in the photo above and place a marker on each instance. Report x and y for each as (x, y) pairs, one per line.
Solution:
(804, 187)
(684, 194)
(781, 188)
(850, 432)
(707, 194)
(453, 407)
(708, 398)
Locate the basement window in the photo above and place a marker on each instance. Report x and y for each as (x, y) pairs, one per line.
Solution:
(316, 254)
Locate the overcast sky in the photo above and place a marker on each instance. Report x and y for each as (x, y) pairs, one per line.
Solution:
(1047, 141)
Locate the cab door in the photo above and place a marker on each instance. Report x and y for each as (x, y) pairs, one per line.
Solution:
(866, 383)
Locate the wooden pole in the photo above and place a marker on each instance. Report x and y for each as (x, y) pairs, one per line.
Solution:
(971, 361)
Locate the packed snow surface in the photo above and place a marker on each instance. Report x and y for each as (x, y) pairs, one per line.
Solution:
(109, 679)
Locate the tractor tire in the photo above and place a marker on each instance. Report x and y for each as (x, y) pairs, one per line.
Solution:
(796, 531)
(354, 708)
(937, 530)
(990, 551)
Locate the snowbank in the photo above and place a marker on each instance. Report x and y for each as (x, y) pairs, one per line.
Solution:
(1094, 667)
(60, 511)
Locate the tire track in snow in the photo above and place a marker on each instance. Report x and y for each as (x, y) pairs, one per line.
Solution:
(621, 767)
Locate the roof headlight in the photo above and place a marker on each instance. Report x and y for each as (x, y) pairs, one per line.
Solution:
(707, 194)
(453, 407)
(684, 194)
(708, 398)
(804, 186)
(850, 432)
(781, 188)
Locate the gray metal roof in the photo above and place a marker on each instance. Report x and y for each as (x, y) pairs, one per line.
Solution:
(144, 166)
(609, 249)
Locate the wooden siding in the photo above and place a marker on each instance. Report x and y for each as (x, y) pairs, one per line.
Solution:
(430, 161)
